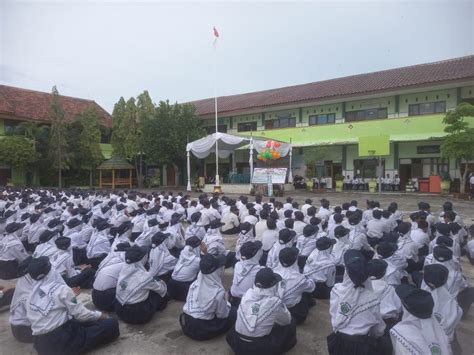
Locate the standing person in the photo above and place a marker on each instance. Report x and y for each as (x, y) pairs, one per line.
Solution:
(59, 323)
(418, 332)
(206, 313)
(231, 221)
(471, 185)
(264, 324)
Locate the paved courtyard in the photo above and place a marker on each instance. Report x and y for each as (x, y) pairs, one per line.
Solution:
(163, 334)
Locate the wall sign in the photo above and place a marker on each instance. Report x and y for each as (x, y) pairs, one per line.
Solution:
(428, 149)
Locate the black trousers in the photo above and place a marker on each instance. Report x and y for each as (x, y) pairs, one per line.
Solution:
(85, 279)
(94, 262)
(234, 230)
(178, 290)
(166, 277)
(280, 340)
(300, 311)
(104, 300)
(175, 252)
(230, 259)
(202, 329)
(141, 312)
(302, 262)
(322, 291)
(234, 301)
(8, 269)
(77, 338)
(22, 333)
(6, 300)
(344, 344)
(465, 298)
(263, 259)
(79, 256)
(340, 269)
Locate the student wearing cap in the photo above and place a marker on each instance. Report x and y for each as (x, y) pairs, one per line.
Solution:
(264, 325)
(408, 248)
(246, 235)
(106, 278)
(206, 313)
(324, 212)
(63, 264)
(138, 295)
(37, 226)
(215, 243)
(355, 310)
(231, 221)
(443, 231)
(285, 239)
(46, 246)
(299, 223)
(79, 240)
(186, 270)
(307, 204)
(61, 324)
(19, 323)
(418, 332)
(175, 241)
(395, 271)
(269, 238)
(12, 251)
(375, 228)
(161, 262)
(343, 244)
(245, 270)
(99, 244)
(196, 228)
(306, 243)
(321, 269)
(150, 228)
(446, 309)
(297, 288)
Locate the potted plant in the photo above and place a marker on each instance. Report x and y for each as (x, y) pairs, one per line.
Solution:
(339, 182)
(445, 182)
(309, 176)
(372, 185)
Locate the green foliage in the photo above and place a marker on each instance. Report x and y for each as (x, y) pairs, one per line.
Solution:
(145, 107)
(17, 151)
(125, 135)
(89, 140)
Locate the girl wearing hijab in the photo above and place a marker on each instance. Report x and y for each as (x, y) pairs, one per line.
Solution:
(355, 311)
(264, 325)
(175, 242)
(206, 313)
(195, 229)
(12, 251)
(321, 269)
(245, 271)
(285, 239)
(269, 237)
(150, 229)
(418, 332)
(59, 323)
(79, 241)
(395, 270)
(99, 244)
(186, 270)
(138, 295)
(246, 235)
(161, 261)
(37, 227)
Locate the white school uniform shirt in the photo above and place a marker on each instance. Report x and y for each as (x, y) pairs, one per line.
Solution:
(323, 214)
(259, 311)
(304, 208)
(195, 229)
(390, 304)
(269, 237)
(408, 248)
(273, 259)
(187, 267)
(306, 244)
(63, 263)
(107, 277)
(260, 228)
(251, 219)
(230, 220)
(294, 284)
(298, 227)
(358, 238)
(337, 253)
(420, 237)
(160, 260)
(244, 275)
(12, 249)
(18, 306)
(45, 249)
(320, 267)
(287, 206)
(98, 244)
(214, 242)
(375, 228)
(35, 231)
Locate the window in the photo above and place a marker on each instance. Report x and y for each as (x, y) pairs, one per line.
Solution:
(282, 122)
(322, 119)
(212, 129)
(10, 126)
(427, 108)
(371, 114)
(247, 126)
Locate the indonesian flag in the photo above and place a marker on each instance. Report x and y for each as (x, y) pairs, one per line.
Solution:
(216, 35)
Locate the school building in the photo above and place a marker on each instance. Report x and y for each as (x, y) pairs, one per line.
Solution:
(408, 104)
(21, 105)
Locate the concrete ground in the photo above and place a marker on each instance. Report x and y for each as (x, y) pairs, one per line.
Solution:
(163, 334)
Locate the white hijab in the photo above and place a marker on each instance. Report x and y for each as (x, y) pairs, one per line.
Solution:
(188, 256)
(41, 298)
(195, 230)
(243, 238)
(132, 277)
(157, 259)
(318, 260)
(244, 267)
(203, 292)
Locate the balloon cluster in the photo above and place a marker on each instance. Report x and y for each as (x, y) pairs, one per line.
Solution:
(270, 152)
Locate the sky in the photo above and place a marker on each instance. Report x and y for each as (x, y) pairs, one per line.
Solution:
(101, 50)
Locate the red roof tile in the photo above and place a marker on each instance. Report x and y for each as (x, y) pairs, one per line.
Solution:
(387, 80)
(23, 104)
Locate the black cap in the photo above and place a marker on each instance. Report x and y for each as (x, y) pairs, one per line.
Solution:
(386, 249)
(441, 253)
(210, 263)
(356, 266)
(288, 213)
(271, 223)
(266, 278)
(47, 235)
(341, 231)
(443, 228)
(34, 217)
(377, 268)
(13, 227)
(158, 238)
(63, 243)
(285, 235)
(245, 227)
(324, 243)
(435, 275)
(416, 301)
(455, 228)
(193, 242)
(163, 225)
(308, 201)
(122, 246)
(152, 222)
(390, 237)
(38, 268)
(354, 219)
(377, 214)
(195, 217)
(309, 230)
(288, 256)
(120, 207)
(445, 241)
(25, 216)
(22, 268)
(314, 221)
(423, 206)
(9, 213)
(74, 223)
(299, 216)
(250, 249)
(216, 223)
(125, 226)
(404, 227)
(102, 225)
(134, 254)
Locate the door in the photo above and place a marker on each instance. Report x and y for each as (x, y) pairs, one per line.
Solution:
(170, 175)
(5, 175)
(404, 172)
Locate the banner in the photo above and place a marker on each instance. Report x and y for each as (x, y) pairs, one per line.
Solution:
(261, 175)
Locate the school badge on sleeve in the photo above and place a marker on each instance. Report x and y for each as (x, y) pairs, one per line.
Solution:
(345, 308)
(435, 349)
(255, 309)
(123, 285)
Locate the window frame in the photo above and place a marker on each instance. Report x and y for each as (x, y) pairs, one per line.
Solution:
(317, 117)
(251, 124)
(415, 109)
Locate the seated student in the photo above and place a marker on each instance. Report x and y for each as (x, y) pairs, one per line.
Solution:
(149, 230)
(320, 268)
(296, 293)
(79, 240)
(245, 271)
(269, 237)
(106, 278)
(418, 332)
(446, 309)
(337, 253)
(355, 310)
(161, 261)
(195, 228)
(206, 313)
(20, 325)
(375, 228)
(306, 243)
(59, 323)
(175, 241)
(99, 244)
(299, 223)
(138, 295)
(246, 235)
(12, 251)
(63, 264)
(395, 271)
(186, 270)
(46, 246)
(264, 325)
(231, 221)
(285, 239)
(215, 243)
(408, 248)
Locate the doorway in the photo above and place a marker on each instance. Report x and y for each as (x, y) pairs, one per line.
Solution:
(170, 175)
(404, 173)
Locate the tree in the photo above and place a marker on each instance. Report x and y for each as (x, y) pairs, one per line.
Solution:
(459, 143)
(145, 112)
(118, 117)
(58, 145)
(17, 151)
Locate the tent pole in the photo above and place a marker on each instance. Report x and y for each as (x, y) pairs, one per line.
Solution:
(189, 173)
(251, 160)
(290, 173)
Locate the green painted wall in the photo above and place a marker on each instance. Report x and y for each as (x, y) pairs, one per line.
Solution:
(467, 92)
(18, 176)
(408, 149)
(333, 153)
(431, 96)
(2, 127)
(388, 102)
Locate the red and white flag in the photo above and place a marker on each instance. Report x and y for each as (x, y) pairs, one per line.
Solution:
(216, 35)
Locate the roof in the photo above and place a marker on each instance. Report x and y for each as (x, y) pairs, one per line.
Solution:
(30, 105)
(387, 80)
(115, 163)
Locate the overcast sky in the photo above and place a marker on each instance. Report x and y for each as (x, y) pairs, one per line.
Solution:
(102, 50)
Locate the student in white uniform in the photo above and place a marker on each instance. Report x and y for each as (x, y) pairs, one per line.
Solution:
(297, 288)
(395, 271)
(269, 237)
(246, 235)
(215, 243)
(375, 228)
(196, 228)
(306, 243)
(231, 221)
(186, 270)
(99, 244)
(355, 311)
(343, 244)
(206, 313)
(12, 251)
(321, 269)
(418, 332)
(245, 271)
(46, 246)
(299, 223)
(161, 262)
(285, 239)
(138, 295)
(59, 323)
(264, 324)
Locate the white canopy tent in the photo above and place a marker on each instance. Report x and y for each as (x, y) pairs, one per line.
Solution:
(226, 144)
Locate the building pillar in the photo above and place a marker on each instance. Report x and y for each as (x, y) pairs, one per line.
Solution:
(397, 106)
(458, 96)
(344, 157)
(395, 156)
(343, 110)
(263, 120)
(231, 126)
(300, 115)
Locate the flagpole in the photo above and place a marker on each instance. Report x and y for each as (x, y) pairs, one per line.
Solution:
(217, 182)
